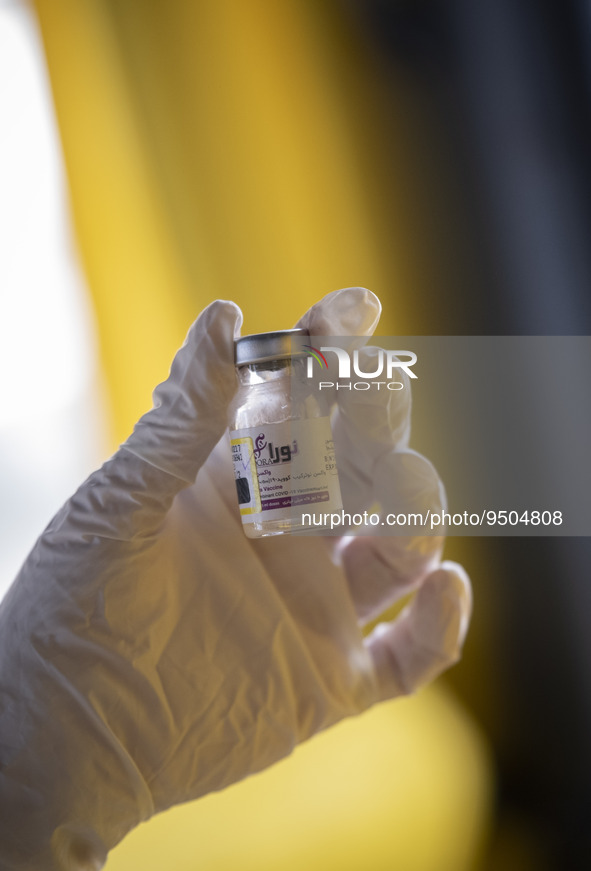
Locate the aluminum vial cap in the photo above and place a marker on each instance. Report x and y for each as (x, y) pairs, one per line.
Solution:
(262, 347)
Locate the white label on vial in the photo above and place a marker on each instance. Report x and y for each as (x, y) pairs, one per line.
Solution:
(279, 467)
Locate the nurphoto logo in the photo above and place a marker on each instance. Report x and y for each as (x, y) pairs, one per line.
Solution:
(387, 363)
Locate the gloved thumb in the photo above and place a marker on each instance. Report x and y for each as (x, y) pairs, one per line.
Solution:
(191, 407)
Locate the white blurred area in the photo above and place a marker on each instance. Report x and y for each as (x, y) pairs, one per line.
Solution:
(52, 430)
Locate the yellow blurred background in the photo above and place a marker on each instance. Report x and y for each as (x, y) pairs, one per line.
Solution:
(213, 150)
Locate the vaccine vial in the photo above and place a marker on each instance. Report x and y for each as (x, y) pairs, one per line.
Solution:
(282, 448)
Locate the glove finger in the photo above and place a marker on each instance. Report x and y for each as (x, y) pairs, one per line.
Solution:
(369, 423)
(382, 568)
(129, 495)
(381, 571)
(351, 311)
(191, 407)
(426, 638)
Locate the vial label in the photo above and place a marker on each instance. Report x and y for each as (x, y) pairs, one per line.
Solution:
(279, 467)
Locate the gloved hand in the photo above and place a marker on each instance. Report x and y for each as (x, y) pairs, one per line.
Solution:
(150, 653)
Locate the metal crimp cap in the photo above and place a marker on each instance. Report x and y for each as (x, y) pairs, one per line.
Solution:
(261, 347)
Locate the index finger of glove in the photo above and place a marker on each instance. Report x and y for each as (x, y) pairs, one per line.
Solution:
(351, 311)
(378, 473)
(367, 425)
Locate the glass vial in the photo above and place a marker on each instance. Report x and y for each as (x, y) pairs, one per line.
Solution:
(282, 447)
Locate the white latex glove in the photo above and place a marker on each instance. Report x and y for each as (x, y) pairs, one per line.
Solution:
(150, 653)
